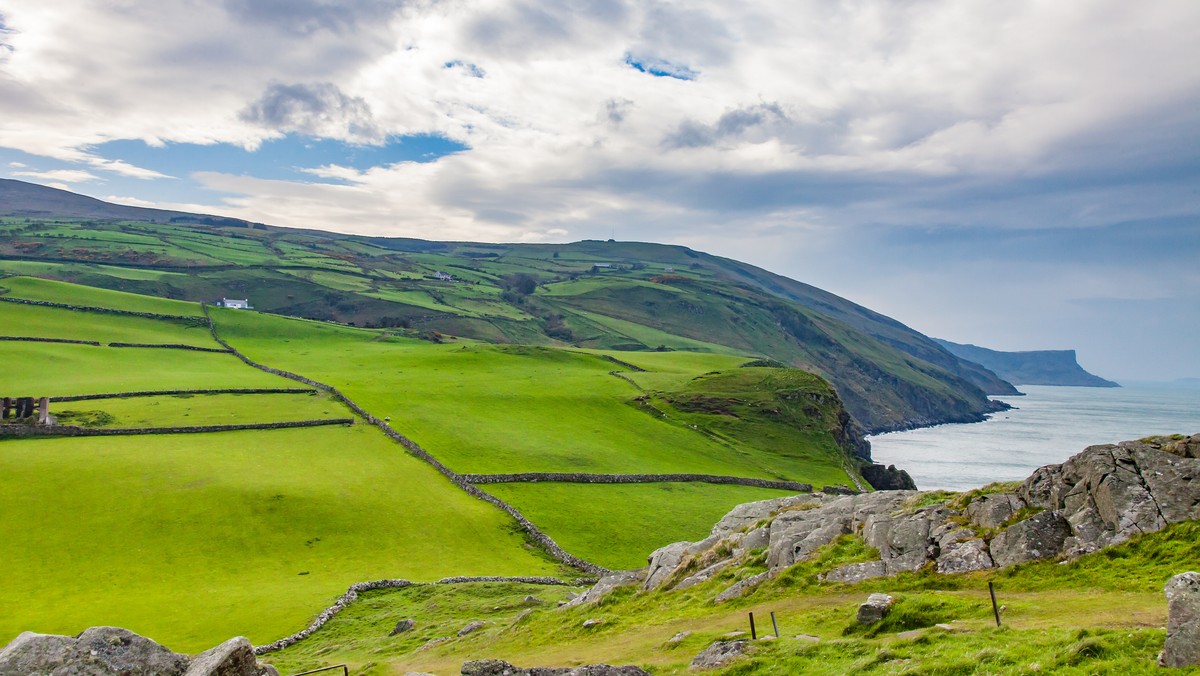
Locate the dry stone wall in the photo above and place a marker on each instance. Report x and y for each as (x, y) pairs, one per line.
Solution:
(73, 431)
(534, 533)
(167, 393)
(583, 478)
(194, 321)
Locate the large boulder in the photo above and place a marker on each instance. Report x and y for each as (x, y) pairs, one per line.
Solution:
(31, 653)
(719, 654)
(992, 511)
(234, 657)
(663, 562)
(1038, 537)
(1182, 648)
(875, 608)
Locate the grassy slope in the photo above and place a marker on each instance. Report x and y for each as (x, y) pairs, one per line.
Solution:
(47, 322)
(200, 409)
(34, 288)
(1101, 614)
(611, 524)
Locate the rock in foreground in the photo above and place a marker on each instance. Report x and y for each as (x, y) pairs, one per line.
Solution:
(100, 651)
(502, 668)
(1182, 648)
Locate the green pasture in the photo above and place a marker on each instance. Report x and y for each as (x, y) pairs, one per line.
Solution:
(486, 409)
(49, 322)
(622, 523)
(54, 269)
(34, 288)
(192, 539)
(49, 369)
(178, 410)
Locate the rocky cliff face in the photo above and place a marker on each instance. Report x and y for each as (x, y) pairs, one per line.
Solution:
(1038, 367)
(1100, 497)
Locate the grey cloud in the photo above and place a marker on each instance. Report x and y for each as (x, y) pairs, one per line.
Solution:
(615, 110)
(737, 124)
(318, 109)
(526, 27)
(304, 17)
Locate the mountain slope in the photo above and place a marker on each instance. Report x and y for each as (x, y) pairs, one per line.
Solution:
(610, 295)
(1038, 367)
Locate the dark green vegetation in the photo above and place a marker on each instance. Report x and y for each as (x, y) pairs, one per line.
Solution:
(603, 295)
(1039, 367)
(1100, 614)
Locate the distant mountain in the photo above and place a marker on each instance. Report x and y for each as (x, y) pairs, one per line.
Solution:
(1038, 367)
(21, 199)
(589, 294)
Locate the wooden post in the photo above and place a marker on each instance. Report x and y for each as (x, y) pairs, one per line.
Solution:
(753, 634)
(995, 609)
(774, 624)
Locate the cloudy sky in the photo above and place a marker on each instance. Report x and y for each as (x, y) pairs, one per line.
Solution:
(1018, 174)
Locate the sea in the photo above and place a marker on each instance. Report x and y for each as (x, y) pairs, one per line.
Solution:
(1046, 426)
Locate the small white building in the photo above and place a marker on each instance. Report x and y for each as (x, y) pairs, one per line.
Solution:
(243, 304)
(443, 277)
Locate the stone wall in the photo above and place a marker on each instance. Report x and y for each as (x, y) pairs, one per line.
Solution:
(534, 533)
(582, 478)
(165, 393)
(172, 346)
(34, 339)
(72, 431)
(194, 321)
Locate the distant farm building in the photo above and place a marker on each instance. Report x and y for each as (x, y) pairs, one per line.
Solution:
(443, 277)
(236, 304)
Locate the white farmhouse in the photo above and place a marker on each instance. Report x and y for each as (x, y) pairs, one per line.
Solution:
(243, 304)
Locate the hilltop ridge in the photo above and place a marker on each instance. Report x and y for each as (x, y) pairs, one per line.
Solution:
(1035, 367)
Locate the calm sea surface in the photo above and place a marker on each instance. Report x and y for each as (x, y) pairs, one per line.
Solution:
(1049, 425)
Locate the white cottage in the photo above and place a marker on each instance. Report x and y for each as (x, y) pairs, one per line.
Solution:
(243, 304)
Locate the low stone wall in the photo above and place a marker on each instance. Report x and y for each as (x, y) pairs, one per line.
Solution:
(352, 593)
(34, 339)
(534, 533)
(167, 393)
(73, 431)
(195, 321)
(579, 478)
(172, 346)
(618, 362)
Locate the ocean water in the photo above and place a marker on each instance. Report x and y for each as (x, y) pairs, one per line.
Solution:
(1048, 425)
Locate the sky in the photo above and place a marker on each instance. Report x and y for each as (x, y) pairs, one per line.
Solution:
(1019, 175)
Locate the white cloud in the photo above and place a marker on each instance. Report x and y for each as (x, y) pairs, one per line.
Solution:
(59, 175)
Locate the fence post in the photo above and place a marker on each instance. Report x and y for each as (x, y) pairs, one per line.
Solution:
(753, 634)
(774, 624)
(995, 610)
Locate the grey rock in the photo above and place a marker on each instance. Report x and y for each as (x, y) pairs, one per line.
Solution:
(592, 622)
(605, 585)
(31, 653)
(703, 575)
(809, 638)
(531, 601)
(1041, 536)
(678, 638)
(991, 511)
(502, 668)
(856, 572)
(740, 588)
(234, 657)
(719, 654)
(403, 626)
(751, 513)
(112, 650)
(268, 670)
(876, 607)
(472, 627)
(756, 539)
(964, 556)
(663, 562)
(1182, 648)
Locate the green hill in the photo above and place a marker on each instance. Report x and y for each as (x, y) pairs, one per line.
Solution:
(623, 296)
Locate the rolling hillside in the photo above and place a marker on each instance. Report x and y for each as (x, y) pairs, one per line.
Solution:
(623, 296)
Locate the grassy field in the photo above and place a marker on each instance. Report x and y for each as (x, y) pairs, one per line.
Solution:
(49, 322)
(617, 522)
(192, 539)
(1101, 614)
(46, 369)
(35, 288)
(200, 409)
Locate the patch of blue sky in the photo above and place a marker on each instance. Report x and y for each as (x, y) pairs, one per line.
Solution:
(468, 68)
(661, 68)
(285, 158)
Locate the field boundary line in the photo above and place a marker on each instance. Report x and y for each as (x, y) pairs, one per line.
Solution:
(36, 339)
(586, 478)
(415, 449)
(171, 346)
(74, 431)
(168, 393)
(351, 596)
(197, 321)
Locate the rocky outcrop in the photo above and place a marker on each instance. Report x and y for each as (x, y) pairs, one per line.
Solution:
(1100, 497)
(502, 668)
(887, 478)
(1182, 648)
(111, 650)
(719, 654)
